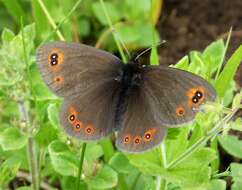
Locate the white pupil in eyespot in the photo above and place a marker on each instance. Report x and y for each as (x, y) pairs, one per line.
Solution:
(72, 117)
(199, 94)
(147, 136)
(195, 100)
(53, 62)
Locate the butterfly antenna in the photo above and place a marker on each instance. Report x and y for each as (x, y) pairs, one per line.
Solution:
(122, 43)
(148, 49)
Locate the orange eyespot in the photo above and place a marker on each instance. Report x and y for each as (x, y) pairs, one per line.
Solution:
(127, 139)
(89, 129)
(59, 79)
(55, 57)
(180, 111)
(137, 140)
(149, 134)
(195, 96)
(72, 117)
(77, 126)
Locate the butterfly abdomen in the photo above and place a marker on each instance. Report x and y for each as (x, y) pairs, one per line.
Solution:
(130, 79)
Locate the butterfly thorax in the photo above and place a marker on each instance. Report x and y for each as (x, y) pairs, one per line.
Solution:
(130, 75)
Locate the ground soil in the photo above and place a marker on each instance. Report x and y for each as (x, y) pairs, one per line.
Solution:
(192, 25)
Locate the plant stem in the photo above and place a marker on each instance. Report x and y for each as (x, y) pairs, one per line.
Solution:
(32, 158)
(62, 22)
(80, 166)
(33, 163)
(114, 35)
(159, 180)
(224, 52)
(214, 131)
(163, 153)
(52, 22)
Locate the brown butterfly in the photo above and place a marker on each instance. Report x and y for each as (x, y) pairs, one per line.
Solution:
(102, 95)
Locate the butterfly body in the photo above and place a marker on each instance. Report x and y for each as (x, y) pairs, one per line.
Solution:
(103, 95)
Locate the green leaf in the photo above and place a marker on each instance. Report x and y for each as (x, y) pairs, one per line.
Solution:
(93, 152)
(132, 35)
(15, 9)
(232, 145)
(173, 133)
(12, 138)
(24, 188)
(136, 10)
(69, 183)
(106, 178)
(217, 184)
(40, 89)
(236, 125)
(148, 163)
(183, 63)
(7, 35)
(8, 169)
(42, 25)
(174, 147)
(227, 75)
(213, 55)
(143, 182)
(236, 173)
(121, 164)
(46, 134)
(108, 149)
(113, 12)
(84, 26)
(194, 170)
(63, 160)
(29, 33)
(53, 114)
(154, 58)
(197, 133)
(237, 101)
(197, 64)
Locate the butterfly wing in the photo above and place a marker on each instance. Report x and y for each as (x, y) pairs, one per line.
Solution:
(176, 95)
(85, 77)
(90, 115)
(138, 130)
(71, 68)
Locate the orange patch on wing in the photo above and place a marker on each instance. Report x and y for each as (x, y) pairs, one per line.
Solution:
(126, 139)
(77, 126)
(149, 134)
(55, 58)
(195, 96)
(89, 129)
(137, 140)
(59, 79)
(180, 111)
(72, 117)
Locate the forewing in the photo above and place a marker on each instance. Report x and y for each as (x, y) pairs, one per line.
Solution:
(85, 77)
(71, 68)
(138, 130)
(175, 94)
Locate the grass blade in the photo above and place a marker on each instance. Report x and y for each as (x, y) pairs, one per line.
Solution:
(227, 75)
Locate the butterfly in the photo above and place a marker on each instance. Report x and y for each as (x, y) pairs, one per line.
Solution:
(103, 95)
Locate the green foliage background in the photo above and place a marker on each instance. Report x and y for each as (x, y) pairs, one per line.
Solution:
(31, 141)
